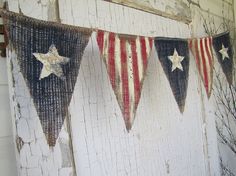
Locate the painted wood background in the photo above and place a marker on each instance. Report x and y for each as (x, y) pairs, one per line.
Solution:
(161, 142)
(169, 9)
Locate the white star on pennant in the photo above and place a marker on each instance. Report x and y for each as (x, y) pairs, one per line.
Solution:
(51, 62)
(224, 52)
(176, 60)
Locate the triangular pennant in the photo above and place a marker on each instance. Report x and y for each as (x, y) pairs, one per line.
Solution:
(126, 59)
(174, 57)
(49, 56)
(202, 51)
(224, 53)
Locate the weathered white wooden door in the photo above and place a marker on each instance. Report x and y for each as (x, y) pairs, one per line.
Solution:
(161, 142)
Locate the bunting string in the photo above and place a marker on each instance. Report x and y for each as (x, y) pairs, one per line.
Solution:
(202, 51)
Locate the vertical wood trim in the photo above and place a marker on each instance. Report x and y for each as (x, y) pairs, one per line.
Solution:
(12, 105)
(54, 11)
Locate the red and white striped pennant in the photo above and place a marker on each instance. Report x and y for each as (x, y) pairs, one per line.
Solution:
(126, 59)
(202, 51)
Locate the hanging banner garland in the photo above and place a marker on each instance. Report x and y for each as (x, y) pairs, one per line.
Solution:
(126, 59)
(202, 52)
(174, 57)
(49, 56)
(224, 54)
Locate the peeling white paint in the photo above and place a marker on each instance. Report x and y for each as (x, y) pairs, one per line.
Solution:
(23, 130)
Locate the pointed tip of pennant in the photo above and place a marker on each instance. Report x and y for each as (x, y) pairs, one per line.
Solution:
(181, 104)
(208, 91)
(51, 140)
(128, 126)
(181, 109)
(208, 95)
(229, 80)
(129, 120)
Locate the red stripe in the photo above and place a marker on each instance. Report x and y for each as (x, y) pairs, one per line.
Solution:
(100, 40)
(208, 50)
(111, 60)
(124, 78)
(190, 44)
(196, 53)
(135, 71)
(204, 65)
(143, 52)
(150, 42)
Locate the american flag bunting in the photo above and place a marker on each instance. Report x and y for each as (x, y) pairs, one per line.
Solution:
(173, 54)
(224, 54)
(202, 51)
(126, 59)
(49, 62)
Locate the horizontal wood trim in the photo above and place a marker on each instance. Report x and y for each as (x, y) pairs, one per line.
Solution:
(145, 8)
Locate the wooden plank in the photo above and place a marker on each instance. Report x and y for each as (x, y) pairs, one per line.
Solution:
(2, 46)
(1, 29)
(146, 8)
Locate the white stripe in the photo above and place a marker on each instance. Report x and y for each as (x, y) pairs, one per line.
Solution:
(105, 47)
(207, 63)
(200, 58)
(211, 52)
(118, 68)
(139, 58)
(210, 49)
(207, 47)
(147, 47)
(130, 79)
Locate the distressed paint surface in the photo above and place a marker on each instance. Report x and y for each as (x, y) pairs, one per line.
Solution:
(175, 10)
(161, 142)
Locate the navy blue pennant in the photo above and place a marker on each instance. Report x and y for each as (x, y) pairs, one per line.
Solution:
(224, 53)
(49, 57)
(173, 54)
